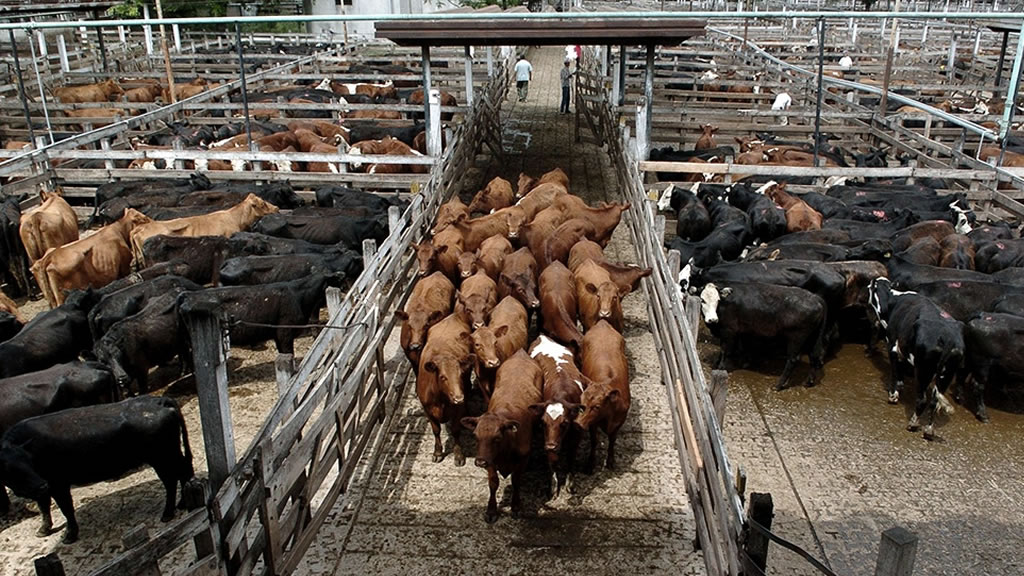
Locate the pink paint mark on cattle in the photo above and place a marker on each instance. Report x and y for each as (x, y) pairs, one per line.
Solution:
(880, 214)
(945, 315)
(955, 284)
(861, 194)
(1001, 245)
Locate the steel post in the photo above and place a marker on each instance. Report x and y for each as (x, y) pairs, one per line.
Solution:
(21, 87)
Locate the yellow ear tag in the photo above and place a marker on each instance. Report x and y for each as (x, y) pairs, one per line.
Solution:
(415, 188)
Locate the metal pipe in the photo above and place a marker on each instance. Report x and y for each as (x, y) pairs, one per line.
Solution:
(648, 100)
(621, 96)
(245, 89)
(1002, 57)
(42, 95)
(887, 75)
(103, 48)
(706, 15)
(21, 87)
(821, 91)
(167, 55)
(425, 54)
(1011, 92)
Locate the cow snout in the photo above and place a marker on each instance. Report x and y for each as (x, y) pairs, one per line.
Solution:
(466, 274)
(534, 303)
(551, 447)
(604, 314)
(458, 400)
(492, 363)
(421, 273)
(480, 463)
(415, 346)
(478, 325)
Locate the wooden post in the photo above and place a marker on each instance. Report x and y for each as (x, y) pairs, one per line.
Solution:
(334, 298)
(176, 32)
(490, 63)
(642, 121)
(133, 539)
(425, 53)
(49, 565)
(692, 311)
(615, 83)
(719, 392)
(62, 49)
(120, 34)
(620, 94)
(209, 354)
(284, 368)
(434, 124)
(42, 43)
(648, 101)
(896, 553)
(469, 77)
(761, 510)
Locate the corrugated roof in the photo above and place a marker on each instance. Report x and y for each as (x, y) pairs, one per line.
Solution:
(482, 31)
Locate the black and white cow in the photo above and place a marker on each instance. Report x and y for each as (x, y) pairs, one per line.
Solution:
(43, 457)
(762, 310)
(925, 337)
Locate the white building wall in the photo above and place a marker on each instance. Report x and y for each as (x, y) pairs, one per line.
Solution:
(365, 29)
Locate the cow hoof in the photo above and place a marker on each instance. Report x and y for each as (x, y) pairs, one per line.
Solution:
(44, 531)
(491, 517)
(70, 538)
(983, 418)
(167, 517)
(929, 433)
(913, 427)
(460, 459)
(438, 457)
(780, 387)
(894, 397)
(515, 513)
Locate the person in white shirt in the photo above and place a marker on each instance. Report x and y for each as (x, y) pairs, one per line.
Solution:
(524, 73)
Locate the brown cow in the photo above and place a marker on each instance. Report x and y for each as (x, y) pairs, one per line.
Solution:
(504, 334)
(388, 146)
(491, 255)
(558, 305)
(957, 252)
(448, 245)
(8, 305)
(561, 241)
(540, 198)
(606, 400)
(449, 213)
(504, 432)
(147, 93)
(475, 299)
(52, 224)
(563, 391)
(597, 297)
(426, 258)
(431, 301)
(506, 222)
(102, 116)
(800, 216)
(604, 218)
(935, 229)
(527, 183)
(183, 91)
(707, 138)
(626, 276)
(416, 99)
(536, 232)
(518, 278)
(94, 261)
(925, 251)
(496, 195)
(221, 223)
(375, 91)
(1010, 159)
(443, 378)
(467, 265)
(105, 91)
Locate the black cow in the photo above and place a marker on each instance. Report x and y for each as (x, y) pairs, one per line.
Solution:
(906, 275)
(668, 154)
(255, 314)
(859, 230)
(280, 194)
(152, 337)
(925, 337)
(965, 298)
(120, 189)
(54, 336)
(359, 131)
(723, 243)
(9, 326)
(823, 236)
(279, 268)
(56, 388)
(767, 221)
(999, 255)
(873, 249)
(994, 354)
(45, 456)
(814, 277)
(762, 310)
(350, 231)
(1009, 304)
(13, 259)
(345, 197)
(117, 306)
(827, 206)
(693, 221)
(984, 234)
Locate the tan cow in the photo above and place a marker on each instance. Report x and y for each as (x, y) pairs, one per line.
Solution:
(431, 301)
(94, 261)
(105, 91)
(475, 299)
(558, 305)
(52, 224)
(496, 195)
(449, 213)
(597, 297)
(221, 223)
(494, 343)
(527, 183)
(606, 400)
(8, 305)
(443, 378)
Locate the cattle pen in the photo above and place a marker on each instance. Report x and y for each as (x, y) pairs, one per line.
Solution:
(338, 480)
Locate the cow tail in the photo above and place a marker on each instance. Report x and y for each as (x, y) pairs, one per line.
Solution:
(950, 361)
(184, 441)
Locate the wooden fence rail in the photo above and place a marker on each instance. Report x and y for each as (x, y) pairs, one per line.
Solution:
(710, 481)
(335, 407)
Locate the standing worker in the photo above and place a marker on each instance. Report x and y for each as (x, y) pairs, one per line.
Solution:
(566, 76)
(524, 73)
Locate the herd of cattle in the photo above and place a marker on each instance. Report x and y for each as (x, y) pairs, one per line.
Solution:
(251, 254)
(481, 281)
(946, 293)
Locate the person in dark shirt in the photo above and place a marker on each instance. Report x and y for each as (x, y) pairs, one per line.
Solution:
(566, 76)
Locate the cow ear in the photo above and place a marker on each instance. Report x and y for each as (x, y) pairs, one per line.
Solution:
(401, 315)
(469, 423)
(613, 395)
(435, 317)
(591, 288)
(441, 249)
(726, 291)
(501, 331)
(430, 366)
(466, 338)
(537, 410)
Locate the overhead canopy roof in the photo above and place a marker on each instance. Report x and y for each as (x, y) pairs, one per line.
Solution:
(482, 31)
(1001, 25)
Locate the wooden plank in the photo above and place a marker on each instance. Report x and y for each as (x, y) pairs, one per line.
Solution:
(896, 553)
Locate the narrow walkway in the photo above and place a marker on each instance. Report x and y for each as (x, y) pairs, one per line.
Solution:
(409, 515)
